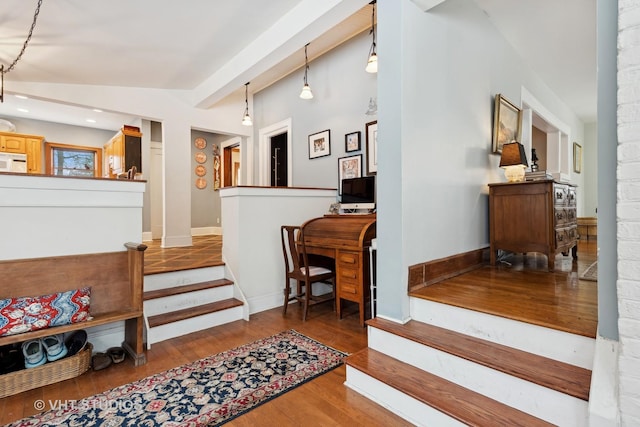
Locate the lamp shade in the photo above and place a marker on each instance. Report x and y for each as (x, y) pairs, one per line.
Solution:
(513, 154)
(513, 161)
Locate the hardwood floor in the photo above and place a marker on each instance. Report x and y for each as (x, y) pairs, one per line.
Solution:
(320, 402)
(522, 290)
(205, 252)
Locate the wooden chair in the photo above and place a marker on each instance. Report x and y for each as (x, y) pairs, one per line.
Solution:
(297, 268)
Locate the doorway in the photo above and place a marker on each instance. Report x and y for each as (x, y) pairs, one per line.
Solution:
(279, 173)
(275, 142)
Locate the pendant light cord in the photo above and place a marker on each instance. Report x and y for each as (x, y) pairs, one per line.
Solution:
(373, 28)
(306, 63)
(26, 42)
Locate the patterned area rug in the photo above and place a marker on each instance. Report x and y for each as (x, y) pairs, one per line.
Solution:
(208, 392)
(591, 273)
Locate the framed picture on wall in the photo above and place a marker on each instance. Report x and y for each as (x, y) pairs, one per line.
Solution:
(372, 147)
(349, 167)
(507, 123)
(577, 157)
(320, 144)
(352, 142)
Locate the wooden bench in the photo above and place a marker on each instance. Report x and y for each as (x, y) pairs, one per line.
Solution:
(116, 281)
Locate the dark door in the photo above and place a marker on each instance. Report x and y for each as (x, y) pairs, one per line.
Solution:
(279, 167)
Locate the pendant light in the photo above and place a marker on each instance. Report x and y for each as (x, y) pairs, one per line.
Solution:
(306, 90)
(372, 63)
(246, 119)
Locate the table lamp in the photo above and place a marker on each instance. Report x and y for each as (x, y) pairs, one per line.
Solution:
(513, 161)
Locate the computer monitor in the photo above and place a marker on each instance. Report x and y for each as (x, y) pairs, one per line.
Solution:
(358, 193)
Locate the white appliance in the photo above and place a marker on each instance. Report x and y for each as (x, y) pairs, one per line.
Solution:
(12, 162)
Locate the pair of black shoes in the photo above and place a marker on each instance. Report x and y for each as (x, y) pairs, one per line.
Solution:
(11, 358)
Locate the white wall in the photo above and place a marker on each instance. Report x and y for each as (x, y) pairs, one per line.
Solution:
(45, 216)
(439, 73)
(589, 191)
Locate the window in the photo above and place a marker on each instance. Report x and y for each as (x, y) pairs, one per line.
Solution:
(73, 160)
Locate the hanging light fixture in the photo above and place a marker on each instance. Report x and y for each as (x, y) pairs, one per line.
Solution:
(24, 47)
(246, 119)
(306, 90)
(372, 63)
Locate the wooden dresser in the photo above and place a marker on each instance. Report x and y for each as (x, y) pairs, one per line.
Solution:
(346, 239)
(533, 216)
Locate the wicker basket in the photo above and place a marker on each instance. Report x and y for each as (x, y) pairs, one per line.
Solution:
(49, 373)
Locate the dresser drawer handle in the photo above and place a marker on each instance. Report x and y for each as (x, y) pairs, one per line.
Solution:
(559, 215)
(560, 238)
(559, 195)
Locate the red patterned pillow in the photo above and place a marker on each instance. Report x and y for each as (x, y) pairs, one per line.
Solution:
(24, 314)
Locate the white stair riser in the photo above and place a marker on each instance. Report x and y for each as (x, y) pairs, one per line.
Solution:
(539, 401)
(154, 282)
(198, 323)
(163, 305)
(562, 346)
(404, 406)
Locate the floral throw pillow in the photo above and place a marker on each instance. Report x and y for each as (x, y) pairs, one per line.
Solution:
(24, 314)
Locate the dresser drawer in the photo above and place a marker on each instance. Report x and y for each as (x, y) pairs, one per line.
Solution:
(559, 216)
(560, 195)
(572, 216)
(566, 236)
(571, 196)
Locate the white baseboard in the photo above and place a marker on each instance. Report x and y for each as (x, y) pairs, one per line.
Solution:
(206, 231)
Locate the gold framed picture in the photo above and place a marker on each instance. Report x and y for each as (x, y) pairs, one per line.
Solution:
(577, 157)
(507, 123)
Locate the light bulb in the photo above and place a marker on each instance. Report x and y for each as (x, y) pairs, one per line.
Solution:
(372, 64)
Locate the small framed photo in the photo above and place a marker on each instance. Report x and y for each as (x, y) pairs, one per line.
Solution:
(320, 144)
(349, 167)
(372, 147)
(577, 157)
(507, 123)
(352, 142)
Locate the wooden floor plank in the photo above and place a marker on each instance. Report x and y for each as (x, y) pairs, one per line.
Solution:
(572, 380)
(458, 402)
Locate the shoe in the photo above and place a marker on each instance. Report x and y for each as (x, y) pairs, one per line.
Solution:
(117, 354)
(33, 354)
(100, 361)
(76, 342)
(54, 346)
(11, 359)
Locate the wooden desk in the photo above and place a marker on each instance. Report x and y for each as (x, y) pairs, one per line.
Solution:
(346, 239)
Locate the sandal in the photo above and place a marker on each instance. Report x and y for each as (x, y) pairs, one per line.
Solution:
(100, 361)
(117, 354)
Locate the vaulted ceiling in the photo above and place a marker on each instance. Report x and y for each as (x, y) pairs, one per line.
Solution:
(212, 47)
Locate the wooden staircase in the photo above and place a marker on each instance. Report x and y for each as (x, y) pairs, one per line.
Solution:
(433, 375)
(182, 302)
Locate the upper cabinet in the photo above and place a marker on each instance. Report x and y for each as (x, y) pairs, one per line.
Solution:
(31, 145)
(123, 151)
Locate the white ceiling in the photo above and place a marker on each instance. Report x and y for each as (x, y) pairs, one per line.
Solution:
(180, 45)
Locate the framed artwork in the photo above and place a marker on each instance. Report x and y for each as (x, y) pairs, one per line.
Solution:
(577, 157)
(320, 144)
(352, 142)
(372, 147)
(507, 123)
(349, 167)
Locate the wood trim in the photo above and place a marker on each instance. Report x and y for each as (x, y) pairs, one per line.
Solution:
(430, 272)
(48, 158)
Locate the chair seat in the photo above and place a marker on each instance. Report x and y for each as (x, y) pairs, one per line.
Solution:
(316, 271)
(298, 268)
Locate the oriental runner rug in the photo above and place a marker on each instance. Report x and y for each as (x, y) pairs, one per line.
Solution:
(207, 392)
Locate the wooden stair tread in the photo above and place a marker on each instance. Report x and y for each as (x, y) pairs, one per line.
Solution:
(187, 313)
(177, 290)
(563, 377)
(456, 401)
